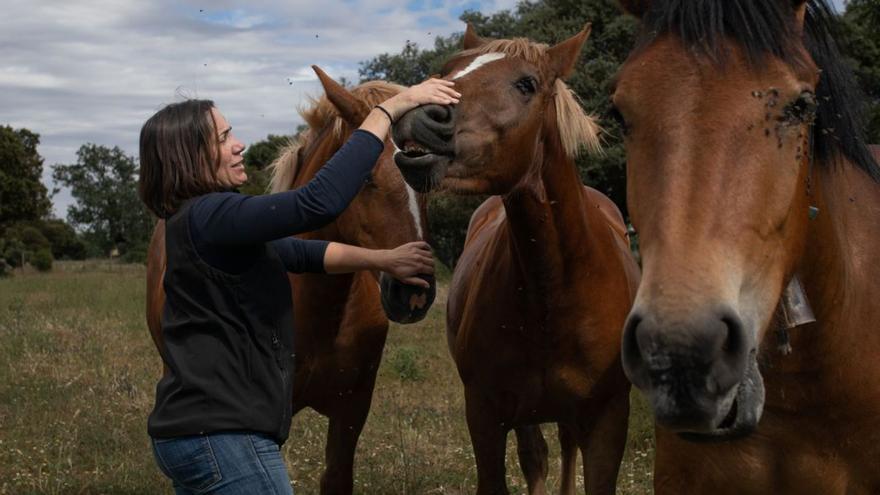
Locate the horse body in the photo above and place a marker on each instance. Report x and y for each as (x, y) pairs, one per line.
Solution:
(546, 278)
(532, 328)
(746, 170)
(340, 321)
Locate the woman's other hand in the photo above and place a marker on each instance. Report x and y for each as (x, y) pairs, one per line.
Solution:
(407, 261)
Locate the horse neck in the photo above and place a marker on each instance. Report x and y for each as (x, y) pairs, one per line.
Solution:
(840, 275)
(549, 223)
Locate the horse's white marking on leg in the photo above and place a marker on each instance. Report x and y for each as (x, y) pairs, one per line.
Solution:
(479, 62)
(414, 209)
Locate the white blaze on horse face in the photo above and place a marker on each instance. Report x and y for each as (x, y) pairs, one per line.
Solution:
(414, 209)
(411, 201)
(479, 62)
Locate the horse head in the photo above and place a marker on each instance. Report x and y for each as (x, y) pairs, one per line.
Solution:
(373, 219)
(718, 104)
(514, 102)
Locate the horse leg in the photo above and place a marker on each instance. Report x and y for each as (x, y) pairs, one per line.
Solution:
(489, 439)
(532, 450)
(604, 444)
(346, 424)
(568, 445)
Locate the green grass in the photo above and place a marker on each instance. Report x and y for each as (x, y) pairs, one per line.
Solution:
(77, 378)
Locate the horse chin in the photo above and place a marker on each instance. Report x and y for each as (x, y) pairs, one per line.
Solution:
(743, 413)
(404, 303)
(423, 172)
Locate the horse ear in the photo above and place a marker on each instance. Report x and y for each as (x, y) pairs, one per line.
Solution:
(564, 56)
(635, 7)
(470, 39)
(351, 109)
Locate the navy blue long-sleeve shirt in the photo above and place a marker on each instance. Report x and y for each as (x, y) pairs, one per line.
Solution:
(228, 227)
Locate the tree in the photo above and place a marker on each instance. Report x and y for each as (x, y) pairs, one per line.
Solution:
(104, 183)
(65, 244)
(22, 193)
(257, 158)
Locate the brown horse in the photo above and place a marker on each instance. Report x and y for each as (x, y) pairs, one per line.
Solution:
(740, 127)
(543, 287)
(340, 327)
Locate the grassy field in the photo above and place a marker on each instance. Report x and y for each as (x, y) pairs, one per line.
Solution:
(77, 378)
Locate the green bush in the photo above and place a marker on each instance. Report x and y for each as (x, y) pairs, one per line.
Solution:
(13, 251)
(135, 254)
(66, 244)
(42, 260)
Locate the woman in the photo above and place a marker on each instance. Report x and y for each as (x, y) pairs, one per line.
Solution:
(223, 407)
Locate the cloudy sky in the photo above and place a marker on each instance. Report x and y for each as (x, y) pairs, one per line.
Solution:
(92, 71)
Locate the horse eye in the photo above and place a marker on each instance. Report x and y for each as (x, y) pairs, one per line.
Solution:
(614, 114)
(526, 86)
(803, 110)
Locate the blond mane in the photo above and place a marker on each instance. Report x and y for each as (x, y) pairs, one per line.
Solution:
(319, 115)
(577, 129)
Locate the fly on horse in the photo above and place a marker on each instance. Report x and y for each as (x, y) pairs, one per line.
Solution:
(747, 172)
(340, 326)
(542, 289)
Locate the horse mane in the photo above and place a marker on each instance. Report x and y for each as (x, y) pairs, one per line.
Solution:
(577, 129)
(322, 116)
(764, 28)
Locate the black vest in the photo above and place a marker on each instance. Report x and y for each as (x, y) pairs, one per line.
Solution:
(228, 341)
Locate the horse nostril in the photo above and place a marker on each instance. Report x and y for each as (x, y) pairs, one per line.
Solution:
(631, 352)
(735, 344)
(441, 114)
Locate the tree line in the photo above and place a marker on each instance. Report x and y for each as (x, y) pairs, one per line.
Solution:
(107, 217)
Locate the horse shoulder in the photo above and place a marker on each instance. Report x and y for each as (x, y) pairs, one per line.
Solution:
(474, 260)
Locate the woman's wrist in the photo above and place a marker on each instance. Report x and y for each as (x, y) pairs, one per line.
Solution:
(378, 259)
(395, 107)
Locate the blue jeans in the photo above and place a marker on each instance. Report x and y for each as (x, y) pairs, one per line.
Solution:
(229, 463)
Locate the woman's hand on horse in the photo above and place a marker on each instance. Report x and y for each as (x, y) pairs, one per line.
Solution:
(436, 91)
(407, 261)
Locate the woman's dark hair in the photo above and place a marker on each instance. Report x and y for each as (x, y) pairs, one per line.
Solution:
(178, 148)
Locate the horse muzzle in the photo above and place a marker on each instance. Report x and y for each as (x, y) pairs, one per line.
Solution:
(701, 376)
(424, 141)
(404, 303)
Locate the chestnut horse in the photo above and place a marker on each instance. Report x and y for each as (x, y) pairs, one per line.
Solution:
(747, 171)
(340, 327)
(546, 279)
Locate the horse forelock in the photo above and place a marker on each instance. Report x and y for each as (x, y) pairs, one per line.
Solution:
(521, 48)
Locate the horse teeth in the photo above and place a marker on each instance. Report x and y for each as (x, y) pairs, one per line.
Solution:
(415, 149)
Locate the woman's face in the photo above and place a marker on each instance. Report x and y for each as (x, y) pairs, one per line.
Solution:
(231, 173)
